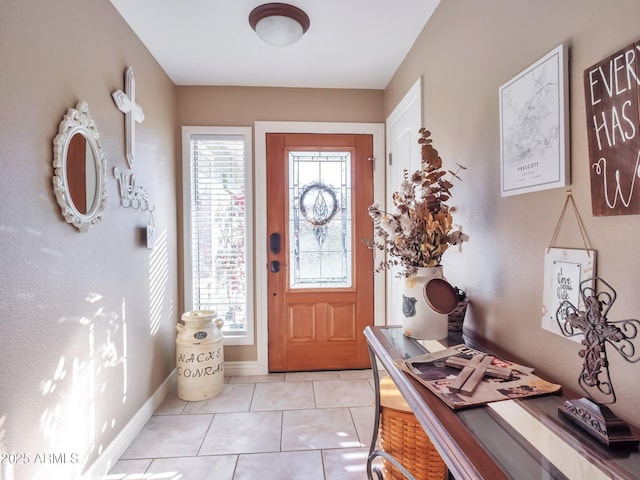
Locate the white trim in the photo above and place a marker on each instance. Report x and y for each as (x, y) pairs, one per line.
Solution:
(101, 466)
(187, 132)
(240, 368)
(261, 129)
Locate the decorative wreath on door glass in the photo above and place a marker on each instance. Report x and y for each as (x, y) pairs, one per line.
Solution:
(318, 205)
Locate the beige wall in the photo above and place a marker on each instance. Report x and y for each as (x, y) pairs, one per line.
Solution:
(467, 50)
(242, 106)
(87, 318)
(70, 378)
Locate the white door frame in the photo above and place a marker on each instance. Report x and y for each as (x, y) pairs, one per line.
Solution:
(260, 175)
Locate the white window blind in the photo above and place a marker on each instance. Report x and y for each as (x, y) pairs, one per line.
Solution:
(219, 225)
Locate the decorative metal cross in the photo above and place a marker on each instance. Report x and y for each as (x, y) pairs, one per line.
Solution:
(126, 103)
(595, 378)
(591, 414)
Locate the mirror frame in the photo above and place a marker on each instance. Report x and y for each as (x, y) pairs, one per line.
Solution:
(78, 120)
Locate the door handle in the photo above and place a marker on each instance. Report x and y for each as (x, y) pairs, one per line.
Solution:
(274, 266)
(274, 243)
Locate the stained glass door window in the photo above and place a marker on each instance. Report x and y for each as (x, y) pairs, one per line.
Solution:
(320, 237)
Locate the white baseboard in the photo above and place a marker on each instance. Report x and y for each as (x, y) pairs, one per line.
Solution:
(244, 368)
(117, 447)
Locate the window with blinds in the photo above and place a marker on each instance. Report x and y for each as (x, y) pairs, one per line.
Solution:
(219, 224)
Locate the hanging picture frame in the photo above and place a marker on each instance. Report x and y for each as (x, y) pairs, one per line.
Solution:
(151, 232)
(564, 270)
(534, 126)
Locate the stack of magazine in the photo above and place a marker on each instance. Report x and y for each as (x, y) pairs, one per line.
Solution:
(430, 370)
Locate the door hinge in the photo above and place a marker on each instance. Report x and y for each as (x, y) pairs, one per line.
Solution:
(390, 159)
(373, 162)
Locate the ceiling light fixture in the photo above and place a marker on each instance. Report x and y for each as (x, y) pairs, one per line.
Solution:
(279, 24)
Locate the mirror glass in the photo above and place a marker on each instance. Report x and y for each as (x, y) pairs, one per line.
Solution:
(79, 181)
(81, 173)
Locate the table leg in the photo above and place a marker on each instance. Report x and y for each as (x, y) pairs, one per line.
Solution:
(373, 452)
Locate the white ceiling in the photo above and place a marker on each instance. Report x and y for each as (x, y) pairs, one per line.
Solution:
(350, 43)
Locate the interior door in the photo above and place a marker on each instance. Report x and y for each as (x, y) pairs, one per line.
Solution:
(320, 280)
(403, 149)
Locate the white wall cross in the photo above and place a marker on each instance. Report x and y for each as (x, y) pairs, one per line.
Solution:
(126, 103)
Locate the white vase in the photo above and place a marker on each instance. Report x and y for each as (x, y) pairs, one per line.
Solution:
(419, 320)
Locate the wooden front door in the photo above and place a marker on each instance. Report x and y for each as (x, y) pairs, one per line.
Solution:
(319, 187)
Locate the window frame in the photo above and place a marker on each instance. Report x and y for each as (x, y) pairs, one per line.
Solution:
(247, 133)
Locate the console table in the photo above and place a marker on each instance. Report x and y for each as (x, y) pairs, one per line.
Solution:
(512, 439)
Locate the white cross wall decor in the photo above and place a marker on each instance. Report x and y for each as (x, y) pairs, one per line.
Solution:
(126, 103)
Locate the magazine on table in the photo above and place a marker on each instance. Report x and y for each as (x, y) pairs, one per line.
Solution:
(463, 377)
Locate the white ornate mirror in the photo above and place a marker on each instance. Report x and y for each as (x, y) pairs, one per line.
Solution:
(80, 170)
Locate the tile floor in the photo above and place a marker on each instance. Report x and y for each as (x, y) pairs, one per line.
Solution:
(310, 426)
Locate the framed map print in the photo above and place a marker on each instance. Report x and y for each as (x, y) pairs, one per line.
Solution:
(534, 127)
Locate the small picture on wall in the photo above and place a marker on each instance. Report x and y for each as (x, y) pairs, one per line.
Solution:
(564, 269)
(151, 237)
(534, 127)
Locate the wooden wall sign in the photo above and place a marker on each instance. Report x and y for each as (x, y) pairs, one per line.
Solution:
(613, 129)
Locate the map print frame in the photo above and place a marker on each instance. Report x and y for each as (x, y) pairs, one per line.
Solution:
(534, 127)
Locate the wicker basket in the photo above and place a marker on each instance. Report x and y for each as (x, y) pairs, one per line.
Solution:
(402, 437)
(456, 318)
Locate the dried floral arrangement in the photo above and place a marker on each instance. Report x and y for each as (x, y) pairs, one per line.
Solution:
(421, 228)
